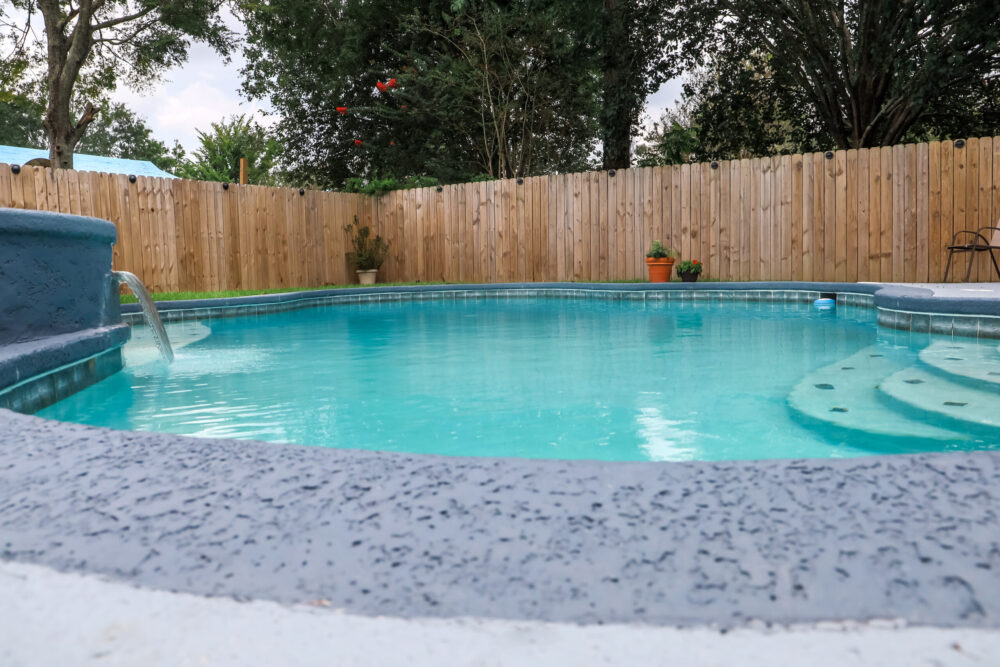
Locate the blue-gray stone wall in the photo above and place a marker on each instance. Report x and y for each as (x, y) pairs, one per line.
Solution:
(55, 274)
(58, 305)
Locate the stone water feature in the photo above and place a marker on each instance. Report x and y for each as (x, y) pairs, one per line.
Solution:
(60, 322)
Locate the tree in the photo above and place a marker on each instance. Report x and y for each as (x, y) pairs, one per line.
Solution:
(118, 132)
(668, 142)
(500, 88)
(21, 122)
(867, 71)
(735, 108)
(636, 57)
(218, 157)
(508, 84)
(109, 42)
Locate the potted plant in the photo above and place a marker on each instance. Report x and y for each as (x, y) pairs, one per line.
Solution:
(368, 253)
(689, 270)
(660, 261)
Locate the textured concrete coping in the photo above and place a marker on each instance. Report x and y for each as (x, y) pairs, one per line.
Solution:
(51, 224)
(915, 537)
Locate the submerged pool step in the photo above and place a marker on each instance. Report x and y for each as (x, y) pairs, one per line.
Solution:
(929, 392)
(964, 361)
(845, 394)
(141, 349)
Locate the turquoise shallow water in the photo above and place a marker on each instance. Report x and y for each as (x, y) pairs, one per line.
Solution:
(532, 377)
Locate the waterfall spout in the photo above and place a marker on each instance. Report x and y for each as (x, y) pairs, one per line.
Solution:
(149, 311)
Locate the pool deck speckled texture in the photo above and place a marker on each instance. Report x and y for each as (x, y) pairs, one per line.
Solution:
(915, 537)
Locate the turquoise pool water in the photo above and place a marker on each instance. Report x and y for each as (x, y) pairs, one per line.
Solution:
(559, 378)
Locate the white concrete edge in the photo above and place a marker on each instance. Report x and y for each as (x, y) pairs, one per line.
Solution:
(53, 618)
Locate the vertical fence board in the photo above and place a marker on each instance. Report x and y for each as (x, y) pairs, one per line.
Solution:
(987, 216)
(713, 260)
(958, 195)
(863, 215)
(850, 191)
(922, 185)
(910, 213)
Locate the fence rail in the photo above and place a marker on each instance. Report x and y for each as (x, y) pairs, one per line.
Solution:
(880, 214)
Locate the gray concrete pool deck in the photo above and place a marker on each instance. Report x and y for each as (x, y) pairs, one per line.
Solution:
(915, 537)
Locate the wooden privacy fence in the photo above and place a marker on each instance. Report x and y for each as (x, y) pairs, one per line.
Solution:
(180, 235)
(880, 214)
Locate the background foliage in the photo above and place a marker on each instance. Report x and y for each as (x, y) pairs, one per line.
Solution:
(374, 95)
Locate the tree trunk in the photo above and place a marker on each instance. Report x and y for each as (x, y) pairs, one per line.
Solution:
(66, 55)
(617, 116)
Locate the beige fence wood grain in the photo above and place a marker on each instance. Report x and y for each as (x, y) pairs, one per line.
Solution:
(878, 214)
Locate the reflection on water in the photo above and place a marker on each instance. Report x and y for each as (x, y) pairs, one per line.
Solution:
(666, 439)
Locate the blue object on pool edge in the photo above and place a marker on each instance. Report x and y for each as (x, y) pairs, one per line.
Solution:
(533, 377)
(824, 304)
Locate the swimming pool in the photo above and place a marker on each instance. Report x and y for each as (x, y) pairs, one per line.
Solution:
(576, 378)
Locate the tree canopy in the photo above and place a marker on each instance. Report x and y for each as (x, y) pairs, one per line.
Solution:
(865, 72)
(92, 46)
(450, 90)
(218, 156)
(374, 94)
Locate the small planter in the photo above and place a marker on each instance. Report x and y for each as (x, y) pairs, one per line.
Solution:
(366, 250)
(689, 277)
(659, 268)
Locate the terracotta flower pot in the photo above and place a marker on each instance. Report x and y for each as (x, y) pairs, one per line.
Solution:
(689, 277)
(367, 277)
(659, 268)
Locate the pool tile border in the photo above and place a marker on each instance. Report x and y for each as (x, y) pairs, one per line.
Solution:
(443, 293)
(862, 295)
(41, 391)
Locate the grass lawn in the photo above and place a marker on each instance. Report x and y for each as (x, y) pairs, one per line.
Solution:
(183, 296)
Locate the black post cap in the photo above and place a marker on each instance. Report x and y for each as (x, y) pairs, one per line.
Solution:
(131, 178)
(15, 168)
(225, 186)
(611, 173)
(829, 155)
(959, 143)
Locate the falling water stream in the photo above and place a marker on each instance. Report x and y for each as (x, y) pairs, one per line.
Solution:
(150, 312)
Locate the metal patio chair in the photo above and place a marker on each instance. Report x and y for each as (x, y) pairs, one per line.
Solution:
(978, 243)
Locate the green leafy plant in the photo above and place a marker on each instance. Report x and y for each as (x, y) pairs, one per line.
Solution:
(378, 185)
(692, 266)
(659, 251)
(220, 150)
(369, 252)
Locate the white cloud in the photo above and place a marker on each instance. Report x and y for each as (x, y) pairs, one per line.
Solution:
(667, 96)
(190, 98)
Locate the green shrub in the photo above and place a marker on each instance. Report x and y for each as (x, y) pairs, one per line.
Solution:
(658, 251)
(369, 253)
(689, 266)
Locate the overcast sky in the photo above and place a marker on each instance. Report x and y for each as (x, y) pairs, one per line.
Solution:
(206, 90)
